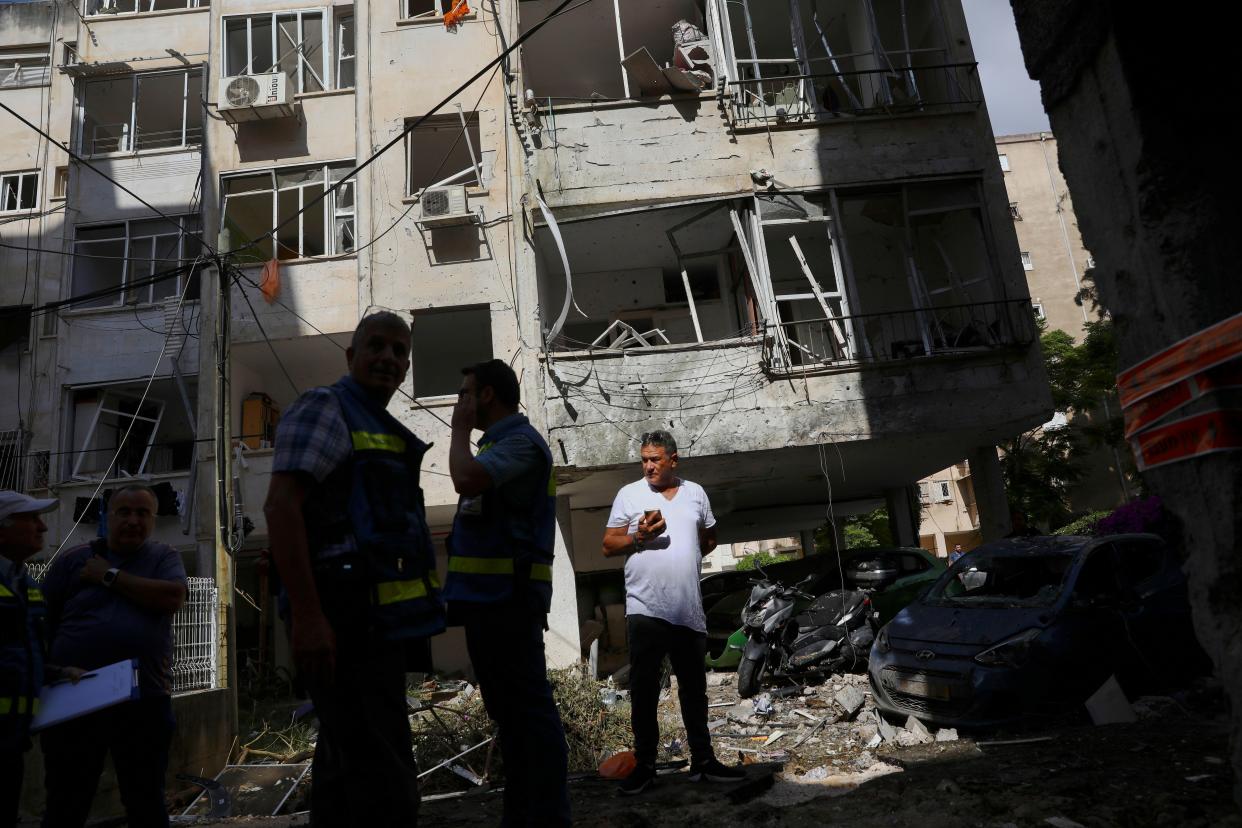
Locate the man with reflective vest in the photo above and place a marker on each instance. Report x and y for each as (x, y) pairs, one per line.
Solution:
(349, 537)
(22, 641)
(499, 586)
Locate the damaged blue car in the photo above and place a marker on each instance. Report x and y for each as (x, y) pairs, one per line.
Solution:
(1033, 626)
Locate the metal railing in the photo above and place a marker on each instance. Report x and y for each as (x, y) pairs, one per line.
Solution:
(117, 138)
(823, 96)
(867, 338)
(195, 639)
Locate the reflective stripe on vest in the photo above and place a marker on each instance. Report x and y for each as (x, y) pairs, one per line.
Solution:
(391, 592)
(18, 705)
(496, 566)
(370, 441)
(5, 592)
(34, 594)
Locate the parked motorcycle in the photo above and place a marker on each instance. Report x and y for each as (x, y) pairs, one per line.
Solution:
(834, 634)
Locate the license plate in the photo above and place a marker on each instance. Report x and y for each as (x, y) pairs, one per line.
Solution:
(922, 687)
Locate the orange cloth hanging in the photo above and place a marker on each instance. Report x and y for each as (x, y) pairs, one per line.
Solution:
(269, 282)
(454, 16)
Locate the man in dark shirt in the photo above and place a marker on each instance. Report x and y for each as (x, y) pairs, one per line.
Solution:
(110, 600)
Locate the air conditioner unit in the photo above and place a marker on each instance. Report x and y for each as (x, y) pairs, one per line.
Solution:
(444, 206)
(255, 97)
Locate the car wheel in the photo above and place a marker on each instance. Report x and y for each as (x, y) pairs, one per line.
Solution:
(749, 675)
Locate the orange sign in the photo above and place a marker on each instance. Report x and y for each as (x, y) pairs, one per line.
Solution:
(1149, 410)
(1211, 431)
(1198, 352)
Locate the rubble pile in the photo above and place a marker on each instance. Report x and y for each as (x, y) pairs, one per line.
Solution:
(823, 729)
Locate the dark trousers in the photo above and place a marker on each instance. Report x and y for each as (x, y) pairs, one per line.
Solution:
(505, 642)
(137, 734)
(650, 640)
(364, 773)
(12, 763)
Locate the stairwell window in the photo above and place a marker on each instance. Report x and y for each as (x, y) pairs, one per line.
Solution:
(288, 200)
(1027, 264)
(24, 66)
(293, 43)
(125, 262)
(439, 152)
(19, 191)
(105, 7)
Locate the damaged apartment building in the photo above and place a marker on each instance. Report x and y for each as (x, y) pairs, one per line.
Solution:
(777, 230)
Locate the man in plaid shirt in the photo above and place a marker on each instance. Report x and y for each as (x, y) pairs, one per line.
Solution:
(350, 540)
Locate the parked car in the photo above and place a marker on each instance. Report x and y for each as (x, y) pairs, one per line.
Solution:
(894, 575)
(1034, 626)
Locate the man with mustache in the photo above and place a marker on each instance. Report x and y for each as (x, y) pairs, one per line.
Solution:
(349, 537)
(107, 601)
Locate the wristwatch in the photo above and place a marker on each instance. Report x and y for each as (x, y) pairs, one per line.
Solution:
(638, 544)
(109, 577)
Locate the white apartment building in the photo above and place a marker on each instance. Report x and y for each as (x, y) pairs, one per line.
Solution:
(778, 231)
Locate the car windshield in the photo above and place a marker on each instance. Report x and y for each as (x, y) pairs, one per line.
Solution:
(1003, 580)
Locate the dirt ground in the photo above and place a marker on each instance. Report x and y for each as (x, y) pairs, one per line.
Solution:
(1166, 769)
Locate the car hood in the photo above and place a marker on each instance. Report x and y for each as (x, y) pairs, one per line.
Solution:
(966, 626)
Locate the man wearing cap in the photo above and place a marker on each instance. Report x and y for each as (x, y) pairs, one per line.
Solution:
(22, 669)
(107, 601)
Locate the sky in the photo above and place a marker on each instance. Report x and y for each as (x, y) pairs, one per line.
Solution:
(1012, 97)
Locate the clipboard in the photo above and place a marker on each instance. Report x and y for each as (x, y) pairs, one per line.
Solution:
(96, 690)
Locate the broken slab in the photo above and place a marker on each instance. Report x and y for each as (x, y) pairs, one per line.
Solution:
(850, 699)
(919, 729)
(946, 734)
(887, 731)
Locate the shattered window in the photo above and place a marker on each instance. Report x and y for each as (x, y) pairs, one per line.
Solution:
(289, 200)
(19, 191)
(1021, 580)
(153, 110)
(125, 261)
(23, 67)
(291, 43)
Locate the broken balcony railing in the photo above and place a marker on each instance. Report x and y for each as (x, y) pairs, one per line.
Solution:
(898, 335)
(195, 637)
(886, 91)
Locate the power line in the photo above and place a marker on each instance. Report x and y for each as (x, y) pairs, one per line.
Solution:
(270, 346)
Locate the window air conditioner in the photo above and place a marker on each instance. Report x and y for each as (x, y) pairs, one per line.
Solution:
(444, 206)
(255, 97)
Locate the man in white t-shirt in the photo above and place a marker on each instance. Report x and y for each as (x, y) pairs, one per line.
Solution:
(664, 526)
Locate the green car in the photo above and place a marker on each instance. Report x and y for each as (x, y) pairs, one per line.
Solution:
(896, 576)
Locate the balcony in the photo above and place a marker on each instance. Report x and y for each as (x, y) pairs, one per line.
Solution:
(824, 97)
(871, 338)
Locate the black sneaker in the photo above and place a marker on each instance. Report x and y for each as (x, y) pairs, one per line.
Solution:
(639, 780)
(713, 771)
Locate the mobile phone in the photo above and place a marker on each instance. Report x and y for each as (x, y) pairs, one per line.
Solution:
(651, 516)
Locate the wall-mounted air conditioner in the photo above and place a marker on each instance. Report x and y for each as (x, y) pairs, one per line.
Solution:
(444, 206)
(255, 97)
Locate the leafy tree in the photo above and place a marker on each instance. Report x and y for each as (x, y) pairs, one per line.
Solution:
(761, 559)
(1041, 466)
(860, 531)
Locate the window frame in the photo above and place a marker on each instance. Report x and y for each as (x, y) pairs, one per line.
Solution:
(332, 210)
(327, 47)
(12, 70)
(1003, 159)
(137, 7)
(452, 123)
(22, 177)
(338, 49)
(1038, 309)
(1027, 262)
(191, 226)
(442, 6)
(127, 144)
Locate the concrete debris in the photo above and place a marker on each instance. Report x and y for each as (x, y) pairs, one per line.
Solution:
(918, 729)
(775, 735)
(875, 741)
(1109, 704)
(850, 699)
(946, 734)
(721, 679)
(815, 774)
(887, 731)
(1154, 707)
(1062, 822)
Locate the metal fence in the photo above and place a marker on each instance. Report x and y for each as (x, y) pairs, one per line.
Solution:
(900, 335)
(195, 639)
(889, 91)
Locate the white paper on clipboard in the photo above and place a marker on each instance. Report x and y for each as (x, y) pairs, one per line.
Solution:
(96, 690)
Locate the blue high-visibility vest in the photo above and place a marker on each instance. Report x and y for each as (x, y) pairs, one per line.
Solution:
(22, 617)
(386, 519)
(500, 539)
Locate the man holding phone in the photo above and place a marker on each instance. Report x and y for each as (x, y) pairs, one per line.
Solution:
(664, 526)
